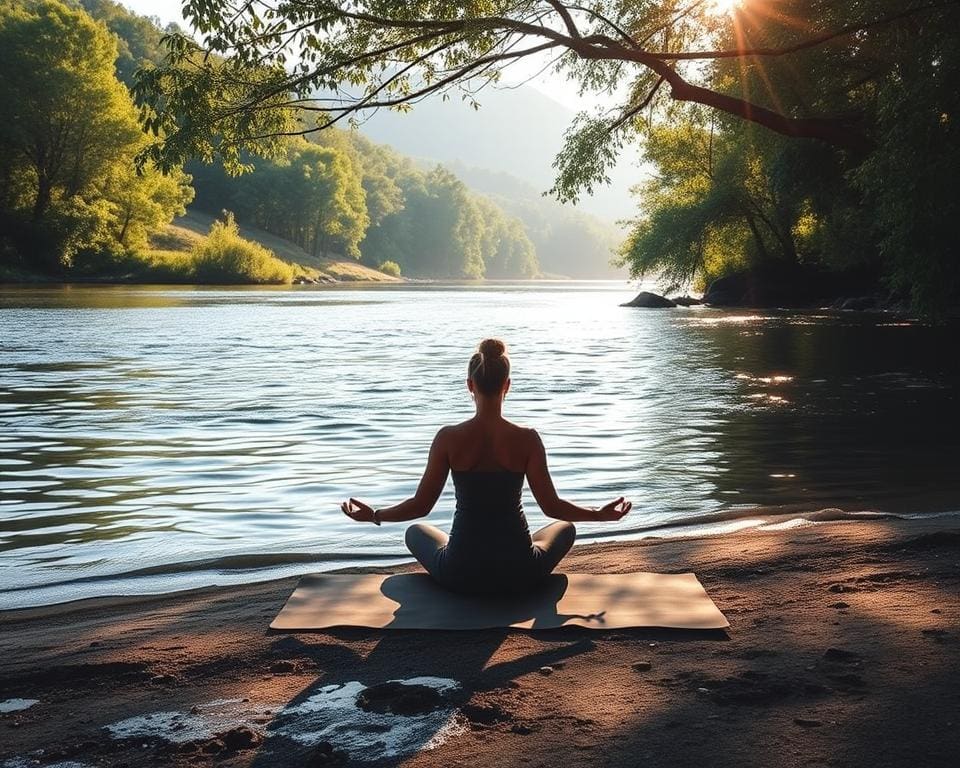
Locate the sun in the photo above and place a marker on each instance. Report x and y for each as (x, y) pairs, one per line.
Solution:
(721, 7)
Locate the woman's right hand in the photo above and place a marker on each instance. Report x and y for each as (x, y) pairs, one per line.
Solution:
(614, 510)
(357, 510)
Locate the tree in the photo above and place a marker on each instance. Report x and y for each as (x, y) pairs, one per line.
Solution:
(311, 195)
(725, 196)
(69, 117)
(68, 141)
(144, 203)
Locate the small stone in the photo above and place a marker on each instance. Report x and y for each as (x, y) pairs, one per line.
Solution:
(282, 666)
(703, 690)
(840, 604)
(807, 722)
(642, 666)
(546, 670)
(936, 610)
(194, 710)
(652, 645)
(522, 728)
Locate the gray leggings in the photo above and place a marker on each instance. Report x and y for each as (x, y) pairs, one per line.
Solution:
(552, 542)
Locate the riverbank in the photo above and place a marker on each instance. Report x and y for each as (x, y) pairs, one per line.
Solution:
(844, 649)
(169, 260)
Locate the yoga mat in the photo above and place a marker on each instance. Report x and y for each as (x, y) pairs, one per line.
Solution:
(415, 601)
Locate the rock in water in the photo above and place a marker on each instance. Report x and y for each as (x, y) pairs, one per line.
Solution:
(649, 301)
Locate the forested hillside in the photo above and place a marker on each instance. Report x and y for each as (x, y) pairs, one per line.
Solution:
(340, 193)
(73, 204)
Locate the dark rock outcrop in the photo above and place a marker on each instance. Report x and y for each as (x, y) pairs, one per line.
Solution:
(649, 301)
(686, 301)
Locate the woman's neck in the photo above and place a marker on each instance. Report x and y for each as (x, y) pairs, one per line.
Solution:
(489, 408)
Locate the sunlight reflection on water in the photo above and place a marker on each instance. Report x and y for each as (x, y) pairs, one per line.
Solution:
(150, 428)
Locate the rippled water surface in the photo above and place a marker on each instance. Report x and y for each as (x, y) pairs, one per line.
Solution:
(159, 438)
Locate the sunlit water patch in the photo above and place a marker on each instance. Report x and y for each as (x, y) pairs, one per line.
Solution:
(154, 439)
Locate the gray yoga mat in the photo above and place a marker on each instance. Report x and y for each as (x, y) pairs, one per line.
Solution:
(415, 601)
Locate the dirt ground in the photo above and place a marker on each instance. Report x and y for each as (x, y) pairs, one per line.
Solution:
(843, 650)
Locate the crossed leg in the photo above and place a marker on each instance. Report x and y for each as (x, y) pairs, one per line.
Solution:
(554, 541)
(424, 542)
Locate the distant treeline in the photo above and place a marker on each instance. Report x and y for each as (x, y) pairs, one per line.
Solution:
(340, 193)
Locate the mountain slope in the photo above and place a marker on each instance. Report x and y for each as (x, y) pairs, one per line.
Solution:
(517, 131)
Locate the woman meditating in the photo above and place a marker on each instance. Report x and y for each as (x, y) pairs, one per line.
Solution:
(489, 548)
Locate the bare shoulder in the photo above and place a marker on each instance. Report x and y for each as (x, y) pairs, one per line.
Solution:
(526, 436)
(451, 431)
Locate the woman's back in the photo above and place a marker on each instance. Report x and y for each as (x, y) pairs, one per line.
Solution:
(488, 445)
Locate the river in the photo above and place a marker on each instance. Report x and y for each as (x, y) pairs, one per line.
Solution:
(160, 438)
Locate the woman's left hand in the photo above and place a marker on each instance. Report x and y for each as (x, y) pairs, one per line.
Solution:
(614, 510)
(357, 510)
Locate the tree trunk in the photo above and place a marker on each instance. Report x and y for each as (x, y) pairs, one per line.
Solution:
(126, 223)
(42, 201)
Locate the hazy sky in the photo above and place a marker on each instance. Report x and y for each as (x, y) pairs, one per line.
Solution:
(552, 86)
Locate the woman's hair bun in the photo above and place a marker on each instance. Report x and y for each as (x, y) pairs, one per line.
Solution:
(492, 348)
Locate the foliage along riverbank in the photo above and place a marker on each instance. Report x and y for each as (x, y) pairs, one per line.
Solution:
(798, 217)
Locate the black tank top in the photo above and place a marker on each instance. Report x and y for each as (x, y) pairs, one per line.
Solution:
(488, 521)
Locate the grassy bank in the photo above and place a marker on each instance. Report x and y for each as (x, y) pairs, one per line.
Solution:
(184, 233)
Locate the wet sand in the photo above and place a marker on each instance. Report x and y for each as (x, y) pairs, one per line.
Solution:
(843, 650)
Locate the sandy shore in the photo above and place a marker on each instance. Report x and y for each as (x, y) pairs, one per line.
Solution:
(844, 650)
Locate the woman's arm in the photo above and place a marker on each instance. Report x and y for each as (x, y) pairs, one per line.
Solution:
(420, 504)
(538, 476)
